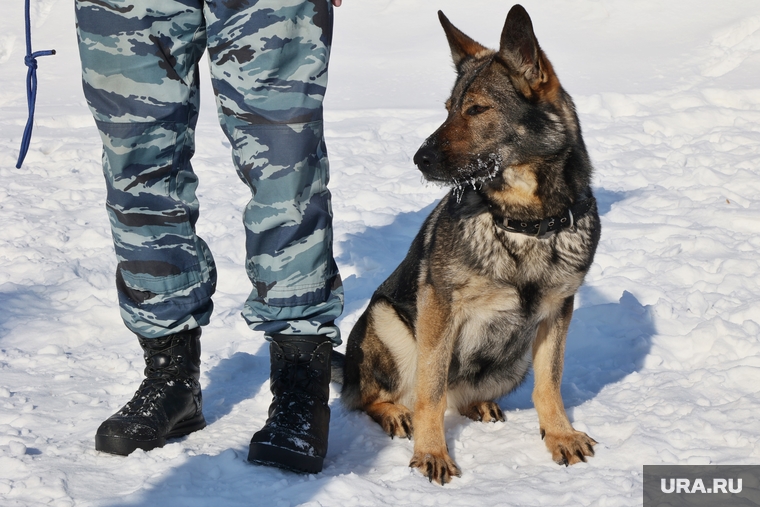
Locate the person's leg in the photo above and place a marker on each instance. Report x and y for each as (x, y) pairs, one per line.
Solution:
(140, 78)
(269, 71)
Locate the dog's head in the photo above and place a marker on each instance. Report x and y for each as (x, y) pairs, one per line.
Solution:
(507, 110)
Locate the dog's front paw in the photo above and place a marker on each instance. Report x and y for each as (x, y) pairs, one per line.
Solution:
(486, 411)
(569, 448)
(438, 467)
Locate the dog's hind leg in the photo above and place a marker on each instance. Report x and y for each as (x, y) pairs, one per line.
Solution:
(567, 445)
(486, 411)
(376, 370)
(394, 418)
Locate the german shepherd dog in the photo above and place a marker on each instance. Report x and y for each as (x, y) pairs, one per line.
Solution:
(493, 272)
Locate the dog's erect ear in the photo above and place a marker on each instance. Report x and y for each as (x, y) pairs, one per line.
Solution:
(461, 45)
(520, 49)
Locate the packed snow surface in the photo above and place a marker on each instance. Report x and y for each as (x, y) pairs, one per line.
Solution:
(663, 356)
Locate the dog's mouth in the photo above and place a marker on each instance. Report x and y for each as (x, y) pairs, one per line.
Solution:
(475, 173)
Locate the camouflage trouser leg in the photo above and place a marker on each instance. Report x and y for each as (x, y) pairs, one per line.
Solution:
(269, 72)
(140, 77)
(142, 86)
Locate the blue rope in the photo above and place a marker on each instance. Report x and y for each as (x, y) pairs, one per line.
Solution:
(31, 86)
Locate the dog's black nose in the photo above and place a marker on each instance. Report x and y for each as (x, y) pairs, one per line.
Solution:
(426, 157)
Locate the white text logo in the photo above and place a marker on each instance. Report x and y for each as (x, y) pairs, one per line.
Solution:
(686, 486)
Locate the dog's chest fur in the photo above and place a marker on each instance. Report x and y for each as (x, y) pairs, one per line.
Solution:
(504, 286)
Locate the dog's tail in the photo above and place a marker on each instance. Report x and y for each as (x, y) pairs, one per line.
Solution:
(338, 364)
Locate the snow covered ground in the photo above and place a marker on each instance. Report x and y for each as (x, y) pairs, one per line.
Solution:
(663, 358)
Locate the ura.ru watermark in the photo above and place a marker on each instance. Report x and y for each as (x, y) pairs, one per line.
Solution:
(716, 485)
(701, 485)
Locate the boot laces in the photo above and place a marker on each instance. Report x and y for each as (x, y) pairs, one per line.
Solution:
(158, 377)
(297, 376)
(146, 398)
(157, 367)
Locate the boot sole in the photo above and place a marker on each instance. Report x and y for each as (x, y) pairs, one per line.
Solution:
(124, 446)
(268, 455)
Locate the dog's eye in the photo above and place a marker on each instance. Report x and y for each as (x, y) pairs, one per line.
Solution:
(476, 109)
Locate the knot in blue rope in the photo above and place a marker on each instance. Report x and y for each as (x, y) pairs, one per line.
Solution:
(31, 61)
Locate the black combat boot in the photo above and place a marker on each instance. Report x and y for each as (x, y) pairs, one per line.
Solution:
(295, 434)
(168, 402)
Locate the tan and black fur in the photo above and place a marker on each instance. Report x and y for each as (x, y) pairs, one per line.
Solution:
(459, 322)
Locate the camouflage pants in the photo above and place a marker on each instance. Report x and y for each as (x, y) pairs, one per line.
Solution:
(268, 61)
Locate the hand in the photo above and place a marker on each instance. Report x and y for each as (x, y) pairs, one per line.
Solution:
(337, 3)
